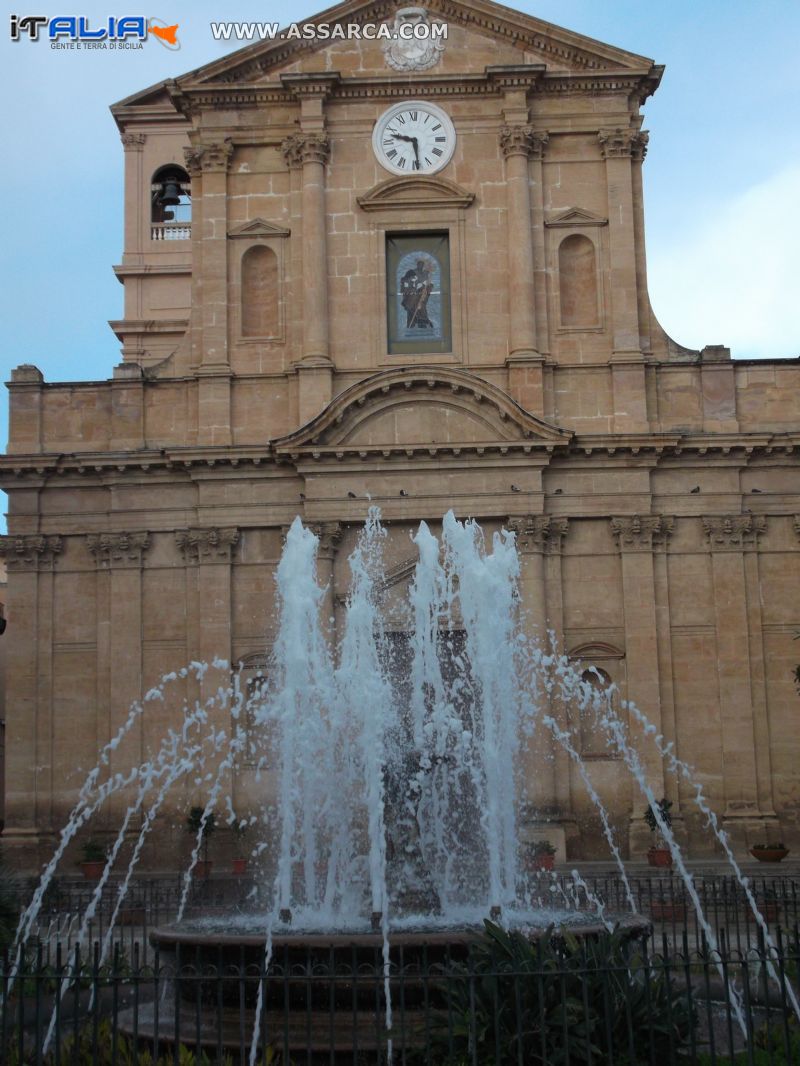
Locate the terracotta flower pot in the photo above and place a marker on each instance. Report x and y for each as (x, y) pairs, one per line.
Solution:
(239, 866)
(202, 869)
(769, 854)
(93, 871)
(543, 862)
(659, 857)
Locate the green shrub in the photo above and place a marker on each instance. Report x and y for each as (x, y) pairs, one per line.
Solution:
(559, 1000)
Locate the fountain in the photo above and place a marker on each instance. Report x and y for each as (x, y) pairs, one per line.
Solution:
(398, 764)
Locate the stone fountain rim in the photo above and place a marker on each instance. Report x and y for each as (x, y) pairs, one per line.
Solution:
(632, 924)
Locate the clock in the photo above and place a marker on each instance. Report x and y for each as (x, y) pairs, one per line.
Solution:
(414, 137)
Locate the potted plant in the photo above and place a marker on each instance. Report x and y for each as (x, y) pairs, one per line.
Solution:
(195, 825)
(543, 855)
(659, 853)
(94, 860)
(769, 852)
(239, 861)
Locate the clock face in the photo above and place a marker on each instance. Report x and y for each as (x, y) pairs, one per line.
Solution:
(414, 137)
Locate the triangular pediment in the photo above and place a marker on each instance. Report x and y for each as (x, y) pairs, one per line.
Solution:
(576, 216)
(480, 34)
(259, 227)
(421, 409)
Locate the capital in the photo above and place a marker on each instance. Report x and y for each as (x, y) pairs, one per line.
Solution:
(30, 551)
(214, 156)
(538, 533)
(133, 142)
(330, 537)
(733, 532)
(118, 550)
(523, 140)
(206, 545)
(619, 143)
(642, 533)
(300, 148)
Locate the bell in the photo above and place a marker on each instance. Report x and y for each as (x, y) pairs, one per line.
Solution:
(170, 193)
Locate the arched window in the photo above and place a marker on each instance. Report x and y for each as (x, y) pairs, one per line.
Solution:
(171, 204)
(259, 292)
(577, 279)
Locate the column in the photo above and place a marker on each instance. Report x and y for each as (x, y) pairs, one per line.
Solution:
(119, 558)
(519, 143)
(30, 560)
(619, 148)
(311, 152)
(728, 539)
(638, 537)
(210, 234)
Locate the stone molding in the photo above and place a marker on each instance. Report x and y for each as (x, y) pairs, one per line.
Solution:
(733, 532)
(538, 533)
(619, 143)
(642, 533)
(300, 148)
(133, 142)
(523, 140)
(215, 156)
(31, 551)
(118, 550)
(207, 545)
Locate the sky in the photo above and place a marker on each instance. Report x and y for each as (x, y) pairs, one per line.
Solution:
(722, 174)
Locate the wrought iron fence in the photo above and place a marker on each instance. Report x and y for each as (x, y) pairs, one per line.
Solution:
(605, 1000)
(153, 902)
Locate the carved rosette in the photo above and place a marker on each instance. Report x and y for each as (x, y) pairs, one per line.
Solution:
(330, 537)
(209, 157)
(733, 532)
(538, 533)
(617, 144)
(207, 545)
(133, 142)
(118, 550)
(523, 140)
(302, 148)
(31, 551)
(642, 533)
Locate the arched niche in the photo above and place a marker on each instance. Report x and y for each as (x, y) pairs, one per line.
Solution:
(577, 281)
(259, 292)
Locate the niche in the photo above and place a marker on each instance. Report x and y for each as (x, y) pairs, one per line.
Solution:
(259, 292)
(577, 273)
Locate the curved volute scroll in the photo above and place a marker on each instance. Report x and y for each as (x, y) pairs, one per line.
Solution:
(418, 191)
(436, 409)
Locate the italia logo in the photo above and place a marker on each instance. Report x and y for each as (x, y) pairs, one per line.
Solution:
(78, 28)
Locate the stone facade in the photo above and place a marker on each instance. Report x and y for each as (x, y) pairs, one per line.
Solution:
(653, 489)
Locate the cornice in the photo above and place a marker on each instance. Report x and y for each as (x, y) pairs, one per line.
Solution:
(656, 446)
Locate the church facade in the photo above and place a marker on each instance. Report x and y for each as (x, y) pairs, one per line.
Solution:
(410, 273)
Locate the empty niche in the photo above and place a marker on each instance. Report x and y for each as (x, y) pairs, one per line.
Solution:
(577, 272)
(259, 292)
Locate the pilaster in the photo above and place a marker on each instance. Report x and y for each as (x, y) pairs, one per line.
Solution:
(25, 409)
(210, 550)
(330, 537)
(127, 408)
(728, 539)
(119, 559)
(619, 148)
(31, 561)
(638, 538)
(519, 144)
(135, 224)
(211, 162)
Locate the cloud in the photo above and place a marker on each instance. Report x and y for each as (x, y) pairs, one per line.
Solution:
(733, 279)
